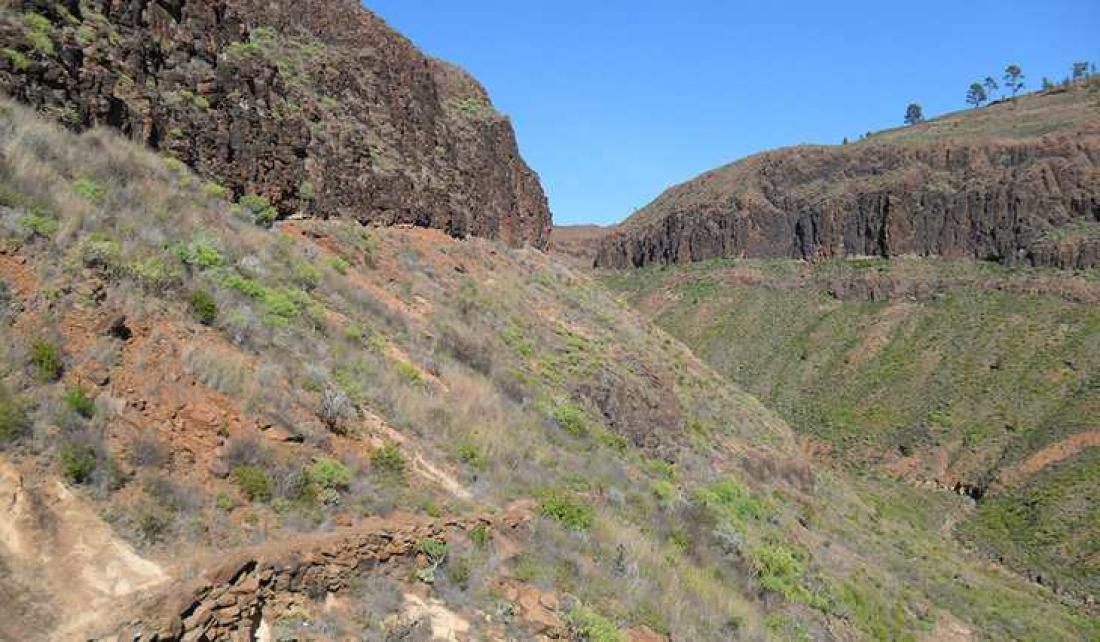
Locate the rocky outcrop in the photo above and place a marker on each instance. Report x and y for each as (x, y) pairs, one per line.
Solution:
(317, 106)
(1032, 200)
(229, 601)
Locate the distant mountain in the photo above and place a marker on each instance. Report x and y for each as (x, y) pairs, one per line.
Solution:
(1018, 181)
(318, 107)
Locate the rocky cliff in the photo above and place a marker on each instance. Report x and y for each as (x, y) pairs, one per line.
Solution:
(1014, 182)
(317, 106)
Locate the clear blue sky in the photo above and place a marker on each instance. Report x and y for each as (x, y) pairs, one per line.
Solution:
(615, 101)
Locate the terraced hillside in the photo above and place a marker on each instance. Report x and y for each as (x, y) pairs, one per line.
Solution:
(1017, 181)
(951, 374)
(323, 431)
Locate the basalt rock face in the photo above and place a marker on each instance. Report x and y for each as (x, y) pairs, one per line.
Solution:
(1027, 200)
(317, 106)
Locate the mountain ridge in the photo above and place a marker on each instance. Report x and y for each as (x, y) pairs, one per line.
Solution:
(317, 107)
(1016, 182)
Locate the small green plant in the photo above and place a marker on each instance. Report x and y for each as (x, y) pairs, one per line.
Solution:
(593, 627)
(201, 253)
(571, 419)
(224, 501)
(78, 462)
(38, 29)
(85, 35)
(479, 535)
(14, 422)
(253, 482)
(410, 373)
(46, 359)
(306, 191)
(435, 550)
(80, 402)
(200, 101)
(570, 512)
(18, 59)
(339, 265)
(215, 190)
(89, 189)
(780, 570)
(101, 253)
(203, 307)
(261, 210)
(307, 275)
(388, 460)
(330, 474)
(470, 455)
(39, 225)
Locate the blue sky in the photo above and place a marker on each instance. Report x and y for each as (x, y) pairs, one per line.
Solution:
(615, 101)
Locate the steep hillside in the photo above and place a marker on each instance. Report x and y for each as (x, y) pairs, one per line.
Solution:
(1018, 181)
(955, 375)
(320, 431)
(317, 107)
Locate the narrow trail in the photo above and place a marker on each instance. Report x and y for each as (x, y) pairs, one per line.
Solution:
(1048, 456)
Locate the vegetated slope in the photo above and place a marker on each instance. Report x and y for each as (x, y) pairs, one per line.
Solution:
(1018, 181)
(318, 107)
(454, 435)
(964, 376)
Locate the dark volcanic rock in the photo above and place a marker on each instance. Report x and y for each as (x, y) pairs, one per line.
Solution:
(316, 105)
(1033, 199)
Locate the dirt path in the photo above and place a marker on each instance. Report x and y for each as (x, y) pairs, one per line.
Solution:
(1048, 456)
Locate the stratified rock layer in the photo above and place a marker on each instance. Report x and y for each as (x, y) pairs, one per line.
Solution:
(1011, 198)
(317, 106)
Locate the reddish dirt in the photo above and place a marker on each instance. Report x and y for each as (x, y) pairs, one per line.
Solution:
(1048, 456)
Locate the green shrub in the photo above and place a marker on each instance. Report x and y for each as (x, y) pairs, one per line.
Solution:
(89, 189)
(330, 474)
(570, 512)
(18, 59)
(14, 422)
(101, 253)
(203, 307)
(80, 402)
(388, 460)
(339, 265)
(201, 253)
(479, 535)
(259, 208)
(38, 33)
(459, 571)
(306, 191)
(215, 190)
(200, 101)
(571, 419)
(39, 224)
(78, 462)
(593, 627)
(46, 359)
(154, 273)
(470, 455)
(410, 373)
(253, 482)
(780, 570)
(307, 275)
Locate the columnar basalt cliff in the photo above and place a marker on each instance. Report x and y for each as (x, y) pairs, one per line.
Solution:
(936, 189)
(317, 106)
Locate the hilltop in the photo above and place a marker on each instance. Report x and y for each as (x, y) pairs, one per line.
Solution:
(311, 109)
(1017, 182)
